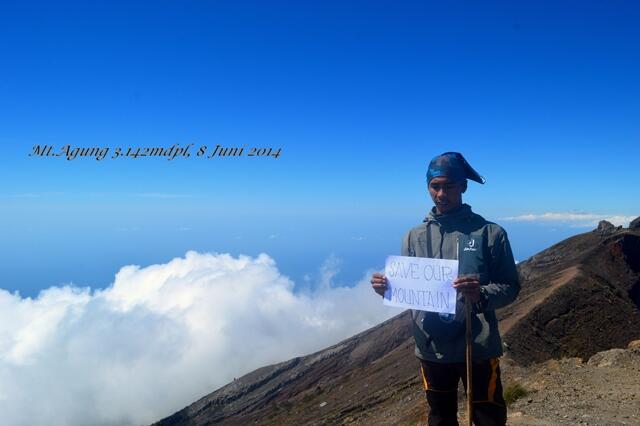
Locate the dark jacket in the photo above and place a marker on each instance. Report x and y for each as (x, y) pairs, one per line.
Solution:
(482, 247)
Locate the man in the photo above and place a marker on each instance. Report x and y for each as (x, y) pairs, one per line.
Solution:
(487, 279)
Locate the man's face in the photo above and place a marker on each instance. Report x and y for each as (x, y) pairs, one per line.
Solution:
(446, 194)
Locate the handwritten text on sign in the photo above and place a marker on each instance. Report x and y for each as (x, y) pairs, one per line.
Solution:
(421, 283)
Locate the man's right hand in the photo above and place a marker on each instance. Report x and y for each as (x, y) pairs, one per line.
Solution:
(379, 283)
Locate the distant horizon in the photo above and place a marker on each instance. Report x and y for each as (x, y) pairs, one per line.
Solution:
(349, 269)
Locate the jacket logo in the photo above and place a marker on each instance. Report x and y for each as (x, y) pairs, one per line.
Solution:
(471, 245)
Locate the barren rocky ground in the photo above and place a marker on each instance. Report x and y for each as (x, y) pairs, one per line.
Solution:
(601, 391)
(605, 390)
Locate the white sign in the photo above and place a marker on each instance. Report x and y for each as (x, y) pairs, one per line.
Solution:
(421, 283)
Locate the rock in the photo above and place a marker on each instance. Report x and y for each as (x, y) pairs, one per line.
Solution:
(553, 365)
(605, 227)
(635, 223)
(613, 357)
(574, 362)
(634, 344)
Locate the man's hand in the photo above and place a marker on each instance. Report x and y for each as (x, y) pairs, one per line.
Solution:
(469, 286)
(379, 283)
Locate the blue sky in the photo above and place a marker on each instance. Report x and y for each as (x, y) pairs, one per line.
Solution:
(541, 97)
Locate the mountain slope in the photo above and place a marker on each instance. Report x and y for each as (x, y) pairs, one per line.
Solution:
(578, 297)
(348, 377)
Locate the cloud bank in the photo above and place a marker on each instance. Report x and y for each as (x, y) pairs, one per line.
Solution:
(162, 336)
(576, 219)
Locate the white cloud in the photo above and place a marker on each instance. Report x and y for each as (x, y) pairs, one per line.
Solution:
(162, 336)
(578, 219)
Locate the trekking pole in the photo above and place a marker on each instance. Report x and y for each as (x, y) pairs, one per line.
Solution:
(467, 306)
(469, 344)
